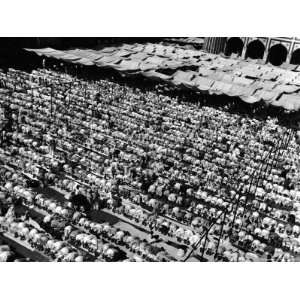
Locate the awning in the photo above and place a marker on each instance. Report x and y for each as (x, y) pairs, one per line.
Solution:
(288, 102)
(155, 75)
(220, 87)
(251, 72)
(242, 81)
(284, 88)
(138, 56)
(205, 72)
(267, 96)
(249, 99)
(236, 91)
(185, 78)
(107, 61)
(84, 61)
(203, 83)
(127, 65)
(155, 60)
(216, 74)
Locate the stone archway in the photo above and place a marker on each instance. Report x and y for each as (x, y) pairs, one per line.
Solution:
(295, 59)
(234, 45)
(255, 50)
(277, 54)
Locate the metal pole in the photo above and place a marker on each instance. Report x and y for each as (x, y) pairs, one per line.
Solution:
(221, 234)
(205, 241)
(51, 99)
(276, 153)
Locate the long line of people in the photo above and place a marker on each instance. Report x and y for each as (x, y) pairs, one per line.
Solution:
(101, 239)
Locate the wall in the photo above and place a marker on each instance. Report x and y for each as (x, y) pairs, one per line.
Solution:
(291, 45)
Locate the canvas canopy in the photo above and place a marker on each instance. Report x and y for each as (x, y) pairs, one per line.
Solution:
(250, 80)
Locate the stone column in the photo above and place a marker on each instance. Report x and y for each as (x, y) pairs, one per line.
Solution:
(214, 45)
(245, 48)
(290, 52)
(265, 58)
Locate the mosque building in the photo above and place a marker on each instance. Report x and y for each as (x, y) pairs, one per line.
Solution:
(274, 50)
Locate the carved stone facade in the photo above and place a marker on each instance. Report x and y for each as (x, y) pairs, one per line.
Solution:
(276, 50)
(214, 44)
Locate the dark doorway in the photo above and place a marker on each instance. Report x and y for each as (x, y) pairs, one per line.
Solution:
(277, 55)
(295, 59)
(255, 49)
(234, 45)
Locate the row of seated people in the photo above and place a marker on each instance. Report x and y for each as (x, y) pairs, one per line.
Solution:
(8, 254)
(34, 238)
(59, 218)
(153, 159)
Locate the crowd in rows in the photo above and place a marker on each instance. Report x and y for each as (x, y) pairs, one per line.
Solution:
(7, 254)
(177, 169)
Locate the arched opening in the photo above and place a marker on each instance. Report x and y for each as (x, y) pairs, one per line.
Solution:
(277, 55)
(234, 45)
(255, 50)
(295, 59)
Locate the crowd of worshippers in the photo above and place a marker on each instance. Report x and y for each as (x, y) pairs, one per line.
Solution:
(169, 166)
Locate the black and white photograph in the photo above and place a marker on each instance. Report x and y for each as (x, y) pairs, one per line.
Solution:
(150, 149)
(160, 155)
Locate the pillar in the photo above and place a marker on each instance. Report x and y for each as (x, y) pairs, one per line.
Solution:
(265, 58)
(214, 45)
(290, 51)
(246, 41)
